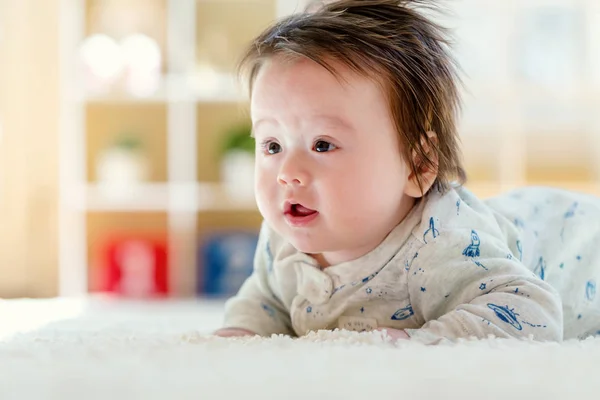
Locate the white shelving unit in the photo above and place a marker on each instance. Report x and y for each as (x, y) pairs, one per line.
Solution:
(72, 224)
(181, 197)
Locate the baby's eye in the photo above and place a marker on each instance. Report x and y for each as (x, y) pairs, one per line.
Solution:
(272, 147)
(322, 146)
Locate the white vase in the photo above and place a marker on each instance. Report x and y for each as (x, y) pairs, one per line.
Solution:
(237, 175)
(119, 170)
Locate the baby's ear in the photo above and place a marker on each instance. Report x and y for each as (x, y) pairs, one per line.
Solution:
(426, 167)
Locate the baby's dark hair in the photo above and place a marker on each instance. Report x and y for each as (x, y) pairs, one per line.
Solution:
(400, 49)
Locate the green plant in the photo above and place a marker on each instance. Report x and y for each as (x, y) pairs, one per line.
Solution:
(128, 141)
(238, 137)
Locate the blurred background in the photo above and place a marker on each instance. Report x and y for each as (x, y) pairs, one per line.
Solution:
(125, 164)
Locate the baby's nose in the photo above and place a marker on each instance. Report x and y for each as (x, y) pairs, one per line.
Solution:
(293, 172)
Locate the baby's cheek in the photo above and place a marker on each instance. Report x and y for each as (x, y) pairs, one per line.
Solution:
(266, 196)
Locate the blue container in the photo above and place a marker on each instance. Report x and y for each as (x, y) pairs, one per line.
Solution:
(225, 261)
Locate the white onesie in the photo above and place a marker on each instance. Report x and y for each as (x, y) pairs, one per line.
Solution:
(456, 267)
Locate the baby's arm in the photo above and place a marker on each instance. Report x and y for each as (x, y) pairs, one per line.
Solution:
(460, 294)
(255, 310)
(233, 332)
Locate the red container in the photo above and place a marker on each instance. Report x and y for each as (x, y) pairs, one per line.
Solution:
(136, 267)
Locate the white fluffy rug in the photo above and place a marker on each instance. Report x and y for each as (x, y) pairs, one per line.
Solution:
(107, 349)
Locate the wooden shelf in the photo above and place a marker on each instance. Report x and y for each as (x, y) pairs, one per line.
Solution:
(168, 197)
(173, 89)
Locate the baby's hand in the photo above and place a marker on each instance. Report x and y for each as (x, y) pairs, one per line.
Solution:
(233, 332)
(394, 334)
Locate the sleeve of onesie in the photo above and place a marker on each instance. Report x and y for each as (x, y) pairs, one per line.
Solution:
(468, 284)
(255, 307)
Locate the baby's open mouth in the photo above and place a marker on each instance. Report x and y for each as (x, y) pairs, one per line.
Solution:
(298, 215)
(298, 210)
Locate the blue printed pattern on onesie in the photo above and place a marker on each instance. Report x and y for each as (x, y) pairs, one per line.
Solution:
(568, 215)
(540, 269)
(268, 309)
(403, 313)
(509, 316)
(520, 249)
(269, 257)
(472, 250)
(590, 290)
(433, 231)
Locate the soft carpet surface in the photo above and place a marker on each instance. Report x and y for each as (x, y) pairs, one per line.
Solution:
(108, 349)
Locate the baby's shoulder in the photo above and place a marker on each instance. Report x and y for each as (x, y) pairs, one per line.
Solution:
(454, 215)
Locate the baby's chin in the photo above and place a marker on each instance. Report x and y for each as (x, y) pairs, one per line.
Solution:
(305, 241)
(308, 246)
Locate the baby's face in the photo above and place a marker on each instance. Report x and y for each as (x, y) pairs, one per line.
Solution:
(329, 173)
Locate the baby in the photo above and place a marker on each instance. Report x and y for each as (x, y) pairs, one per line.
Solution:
(366, 223)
